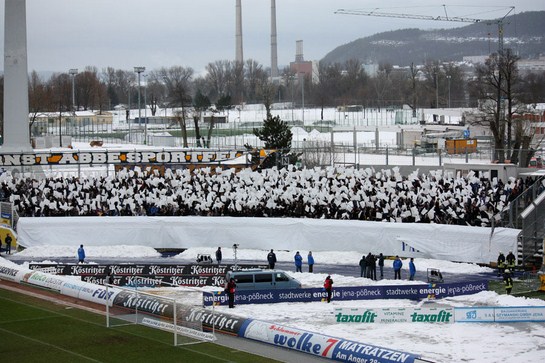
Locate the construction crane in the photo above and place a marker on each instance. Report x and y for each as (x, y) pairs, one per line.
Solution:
(374, 12)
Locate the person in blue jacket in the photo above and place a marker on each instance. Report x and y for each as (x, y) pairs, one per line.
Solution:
(298, 262)
(397, 268)
(81, 254)
(310, 261)
(412, 269)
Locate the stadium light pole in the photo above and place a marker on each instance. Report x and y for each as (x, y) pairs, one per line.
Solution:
(302, 74)
(145, 109)
(436, 89)
(139, 70)
(129, 110)
(73, 72)
(448, 80)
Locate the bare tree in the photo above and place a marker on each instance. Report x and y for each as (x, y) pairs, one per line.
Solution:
(39, 98)
(178, 82)
(432, 72)
(413, 82)
(487, 87)
(236, 83)
(201, 104)
(109, 79)
(256, 79)
(87, 88)
(217, 77)
(382, 83)
(156, 91)
(267, 91)
(496, 83)
(324, 91)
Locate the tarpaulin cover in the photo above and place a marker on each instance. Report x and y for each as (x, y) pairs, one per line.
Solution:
(436, 241)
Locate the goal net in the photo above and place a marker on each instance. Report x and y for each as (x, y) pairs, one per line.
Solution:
(162, 308)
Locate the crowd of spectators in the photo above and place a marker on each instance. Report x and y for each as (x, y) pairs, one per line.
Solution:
(331, 193)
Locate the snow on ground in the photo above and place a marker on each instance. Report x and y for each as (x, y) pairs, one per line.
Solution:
(461, 342)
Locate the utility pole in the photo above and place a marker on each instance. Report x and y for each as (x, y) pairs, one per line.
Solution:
(448, 80)
(73, 73)
(139, 70)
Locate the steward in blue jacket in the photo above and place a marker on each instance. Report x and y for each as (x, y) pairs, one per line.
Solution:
(412, 269)
(298, 262)
(81, 254)
(310, 260)
(397, 268)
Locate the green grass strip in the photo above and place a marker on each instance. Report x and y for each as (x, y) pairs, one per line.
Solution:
(35, 330)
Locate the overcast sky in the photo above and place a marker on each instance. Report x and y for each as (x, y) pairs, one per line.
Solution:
(64, 34)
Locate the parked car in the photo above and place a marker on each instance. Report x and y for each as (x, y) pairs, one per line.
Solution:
(262, 279)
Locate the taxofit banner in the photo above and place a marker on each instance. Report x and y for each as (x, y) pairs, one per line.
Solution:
(393, 315)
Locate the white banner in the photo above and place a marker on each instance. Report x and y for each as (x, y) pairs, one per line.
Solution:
(500, 314)
(474, 315)
(435, 241)
(519, 314)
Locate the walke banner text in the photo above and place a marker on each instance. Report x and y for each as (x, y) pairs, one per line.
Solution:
(321, 345)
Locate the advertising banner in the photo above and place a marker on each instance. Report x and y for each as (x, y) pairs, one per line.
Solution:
(9, 273)
(118, 157)
(73, 288)
(500, 314)
(519, 314)
(474, 315)
(99, 294)
(45, 280)
(226, 323)
(163, 325)
(193, 275)
(321, 345)
(413, 292)
(144, 303)
(393, 315)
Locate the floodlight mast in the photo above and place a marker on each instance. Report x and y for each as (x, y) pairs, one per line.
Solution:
(499, 22)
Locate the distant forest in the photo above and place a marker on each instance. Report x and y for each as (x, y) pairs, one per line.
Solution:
(524, 33)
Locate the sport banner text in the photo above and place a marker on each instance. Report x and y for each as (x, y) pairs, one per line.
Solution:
(118, 157)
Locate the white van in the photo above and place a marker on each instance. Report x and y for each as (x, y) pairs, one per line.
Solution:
(262, 280)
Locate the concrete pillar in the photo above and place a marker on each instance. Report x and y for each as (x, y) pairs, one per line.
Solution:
(16, 125)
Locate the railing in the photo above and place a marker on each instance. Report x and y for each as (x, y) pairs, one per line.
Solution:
(527, 212)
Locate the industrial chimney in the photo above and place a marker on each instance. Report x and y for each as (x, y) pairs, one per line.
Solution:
(239, 57)
(299, 51)
(274, 52)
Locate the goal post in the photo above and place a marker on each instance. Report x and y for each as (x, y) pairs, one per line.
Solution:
(160, 308)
